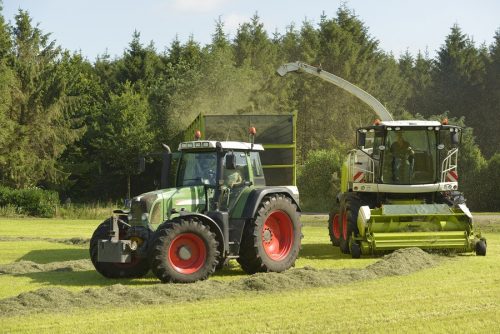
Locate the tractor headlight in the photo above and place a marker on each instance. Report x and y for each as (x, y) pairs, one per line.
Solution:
(144, 217)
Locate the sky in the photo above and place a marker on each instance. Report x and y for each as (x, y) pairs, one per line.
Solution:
(96, 27)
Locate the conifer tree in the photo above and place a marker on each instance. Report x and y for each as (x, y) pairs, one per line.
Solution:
(39, 104)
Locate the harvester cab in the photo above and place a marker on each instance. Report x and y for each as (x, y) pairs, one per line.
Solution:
(399, 187)
(398, 156)
(214, 206)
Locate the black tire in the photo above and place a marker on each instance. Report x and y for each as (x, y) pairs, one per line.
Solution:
(355, 250)
(334, 228)
(481, 247)
(271, 241)
(137, 268)
(183, 250)
(349, 209)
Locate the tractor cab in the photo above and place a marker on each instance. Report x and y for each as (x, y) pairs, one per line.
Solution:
(405, 153)
(224, 169)
(202, 176)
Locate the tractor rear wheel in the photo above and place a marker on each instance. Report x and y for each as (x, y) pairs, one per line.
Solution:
(138, 267)
(183, 251)
(349, 215)
(271, 242)
(334, 228)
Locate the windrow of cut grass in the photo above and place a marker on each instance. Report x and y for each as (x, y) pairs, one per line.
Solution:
(400, 262)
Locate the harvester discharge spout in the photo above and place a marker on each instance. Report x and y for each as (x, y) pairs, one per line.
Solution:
(367, 98)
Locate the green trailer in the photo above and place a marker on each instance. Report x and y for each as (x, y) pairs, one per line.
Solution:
(276, 133)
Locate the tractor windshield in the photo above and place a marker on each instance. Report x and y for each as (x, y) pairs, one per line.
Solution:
(197, 168)
(410, 157)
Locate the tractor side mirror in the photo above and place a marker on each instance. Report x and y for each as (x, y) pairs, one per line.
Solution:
(230, 161)
(361, 139)
(455, 138)
(142, 164)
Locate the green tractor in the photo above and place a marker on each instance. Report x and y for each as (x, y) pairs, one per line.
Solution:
(213, 206)
(399, 187)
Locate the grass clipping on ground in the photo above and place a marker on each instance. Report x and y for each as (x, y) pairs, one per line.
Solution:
(28, 267)
(400, 262)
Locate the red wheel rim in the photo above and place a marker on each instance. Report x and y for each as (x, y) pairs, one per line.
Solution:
(277, 235)
(336, 226)
(344, 225)
(187, 253)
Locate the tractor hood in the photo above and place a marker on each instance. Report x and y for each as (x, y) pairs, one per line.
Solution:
(155, 207)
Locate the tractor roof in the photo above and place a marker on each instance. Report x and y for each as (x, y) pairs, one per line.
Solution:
(226, 145)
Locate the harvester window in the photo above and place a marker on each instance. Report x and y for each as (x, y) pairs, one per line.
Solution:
(411, 157)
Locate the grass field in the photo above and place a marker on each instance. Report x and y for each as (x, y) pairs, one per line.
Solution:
(457, 294)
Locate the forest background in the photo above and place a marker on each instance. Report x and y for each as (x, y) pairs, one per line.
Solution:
(74, 128)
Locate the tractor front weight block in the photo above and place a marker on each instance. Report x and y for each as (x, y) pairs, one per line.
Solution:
(119, 251)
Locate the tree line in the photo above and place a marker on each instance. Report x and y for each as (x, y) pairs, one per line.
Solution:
(77, 126)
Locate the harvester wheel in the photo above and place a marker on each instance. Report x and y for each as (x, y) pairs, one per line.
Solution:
(481, 247)
(271, 242)
(355, 250)
(348, 220)
(138, 267)
(183, 250)
(334, 228)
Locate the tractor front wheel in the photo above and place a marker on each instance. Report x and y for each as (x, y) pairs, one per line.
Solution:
(138, 267)
(183, 251)
(271, 242)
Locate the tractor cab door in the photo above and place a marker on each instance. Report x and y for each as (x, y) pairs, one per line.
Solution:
(236, 178)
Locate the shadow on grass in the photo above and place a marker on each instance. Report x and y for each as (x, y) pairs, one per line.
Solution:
(321, 251)
(231, 270)
(55, 255)
(88, 278)
(327, 251)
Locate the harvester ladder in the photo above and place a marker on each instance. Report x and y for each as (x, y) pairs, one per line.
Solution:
(449, 163)
(354, 167)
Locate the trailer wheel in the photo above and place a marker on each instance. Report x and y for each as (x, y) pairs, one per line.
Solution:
(349, 208)
(271, 242)
(481, 247)
(183, 251)
(138, 267)
(334, 229)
